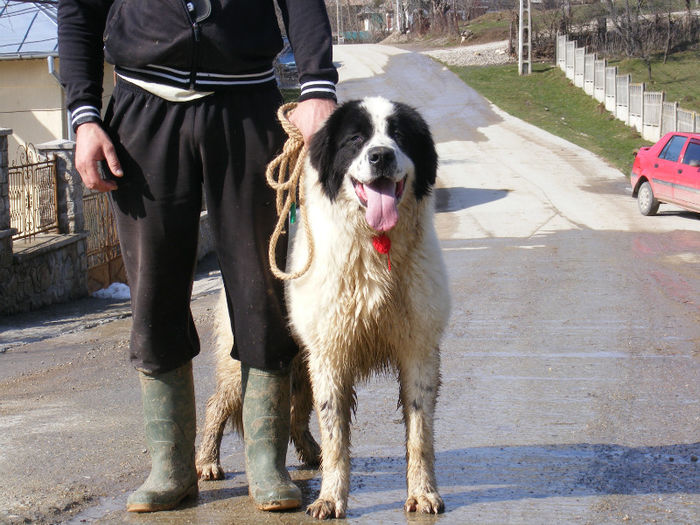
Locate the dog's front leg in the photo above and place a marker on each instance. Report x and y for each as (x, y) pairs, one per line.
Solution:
(333, 398)
(419, 382)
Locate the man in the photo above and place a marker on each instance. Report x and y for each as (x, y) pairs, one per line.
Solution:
(193, 111)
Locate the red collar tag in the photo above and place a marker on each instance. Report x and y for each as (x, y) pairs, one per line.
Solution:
(382, 244)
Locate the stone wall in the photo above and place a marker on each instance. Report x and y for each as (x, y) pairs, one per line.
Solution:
(51, 271)
(48, 268)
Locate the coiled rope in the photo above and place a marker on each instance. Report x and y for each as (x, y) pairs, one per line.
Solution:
(289, 167)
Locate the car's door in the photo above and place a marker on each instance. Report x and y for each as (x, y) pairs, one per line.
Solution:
(686, 190)
(664, 168)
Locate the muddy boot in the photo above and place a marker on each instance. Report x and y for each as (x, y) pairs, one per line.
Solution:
(169, 411)
(266, 398)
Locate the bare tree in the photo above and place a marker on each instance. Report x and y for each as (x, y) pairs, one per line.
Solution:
(669, 23)
(442, 22)
(638, 32)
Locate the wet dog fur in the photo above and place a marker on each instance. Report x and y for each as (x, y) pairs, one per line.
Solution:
(350, 313)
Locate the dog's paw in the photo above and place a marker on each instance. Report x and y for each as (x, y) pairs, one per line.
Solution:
(429, 503)
(324, 509)
(210, 471)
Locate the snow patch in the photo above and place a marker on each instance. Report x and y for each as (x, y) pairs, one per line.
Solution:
(118, 291)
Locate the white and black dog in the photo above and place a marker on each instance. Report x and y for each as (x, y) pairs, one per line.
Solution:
(374, 299)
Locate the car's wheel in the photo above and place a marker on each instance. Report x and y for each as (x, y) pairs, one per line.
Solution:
(648, 205)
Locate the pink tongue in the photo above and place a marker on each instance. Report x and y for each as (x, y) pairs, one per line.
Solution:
(382, 213)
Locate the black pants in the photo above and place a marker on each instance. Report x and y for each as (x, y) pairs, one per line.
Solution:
(170, 153)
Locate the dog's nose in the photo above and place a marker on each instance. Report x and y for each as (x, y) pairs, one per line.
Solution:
(381, 157)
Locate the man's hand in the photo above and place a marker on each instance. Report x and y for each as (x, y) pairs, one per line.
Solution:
(310, 114)
(91, 146)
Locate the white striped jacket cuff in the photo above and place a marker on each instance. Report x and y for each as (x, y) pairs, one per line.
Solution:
(317, 88)
(83, 114)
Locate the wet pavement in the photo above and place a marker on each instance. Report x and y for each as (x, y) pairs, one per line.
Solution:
(570, 373)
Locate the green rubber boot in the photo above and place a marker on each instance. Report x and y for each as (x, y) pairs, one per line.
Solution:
(171, 427)
(266, 398)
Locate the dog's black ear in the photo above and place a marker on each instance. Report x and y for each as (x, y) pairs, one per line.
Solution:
(412, 134)
(325, 147)
(322, 151)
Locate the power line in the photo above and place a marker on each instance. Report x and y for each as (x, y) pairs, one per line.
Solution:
(48, 2)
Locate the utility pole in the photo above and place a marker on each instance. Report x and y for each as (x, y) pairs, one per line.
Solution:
(524, 39)
(398, 16)
(341, 38)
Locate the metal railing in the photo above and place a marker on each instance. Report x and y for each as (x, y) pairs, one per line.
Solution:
(669, 117)
(102, 241)
(33, 194)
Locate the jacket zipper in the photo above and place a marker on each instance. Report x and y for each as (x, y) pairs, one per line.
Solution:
(196, 33)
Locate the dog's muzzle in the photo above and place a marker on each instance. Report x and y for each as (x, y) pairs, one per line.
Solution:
(382, 161)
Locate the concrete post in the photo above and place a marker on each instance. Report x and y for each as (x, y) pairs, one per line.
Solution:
(71, 218)
(675, 116)
(641, 113)
(4, 181)
(5, 230)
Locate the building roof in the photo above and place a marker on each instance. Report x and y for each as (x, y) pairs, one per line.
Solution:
(28, 29)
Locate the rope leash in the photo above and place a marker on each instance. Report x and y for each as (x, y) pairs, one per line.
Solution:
(289, 167)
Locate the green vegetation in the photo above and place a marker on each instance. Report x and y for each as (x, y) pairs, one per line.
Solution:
(290, 95)
(548, 100)
(488, 27)
(589, 11)
(679, 77)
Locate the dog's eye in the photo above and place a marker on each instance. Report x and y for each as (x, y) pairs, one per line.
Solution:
(395, 132)
(356, 139)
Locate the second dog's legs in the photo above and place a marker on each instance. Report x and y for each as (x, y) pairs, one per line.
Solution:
(307, 449)
(225, 402)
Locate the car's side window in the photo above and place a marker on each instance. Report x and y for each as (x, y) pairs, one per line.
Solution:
(692, 153)
(672, 149)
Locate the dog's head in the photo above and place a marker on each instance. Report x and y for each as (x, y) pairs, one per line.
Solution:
(374, 152)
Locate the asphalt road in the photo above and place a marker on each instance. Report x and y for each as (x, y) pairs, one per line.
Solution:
(571, 381)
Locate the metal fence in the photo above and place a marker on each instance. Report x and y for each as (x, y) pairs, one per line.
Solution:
(636, 107)
(669, 117)
(651, 122)
(102, 241)
(685, 120)
(579, 66)
(610, 87)
(589, 74)
(652, 107)
(561, 53)
(645, 111)
(622, 97)
(599, 80)
(33, 194)
(569, 64)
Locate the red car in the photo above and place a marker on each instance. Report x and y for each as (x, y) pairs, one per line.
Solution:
(668, 171)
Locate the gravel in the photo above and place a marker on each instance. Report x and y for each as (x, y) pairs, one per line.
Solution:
(476, 55)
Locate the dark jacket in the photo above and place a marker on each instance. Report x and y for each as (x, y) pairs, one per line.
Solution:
(205, 45)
